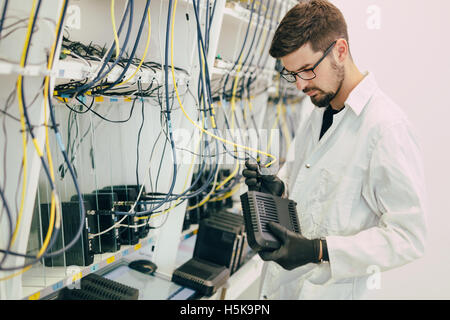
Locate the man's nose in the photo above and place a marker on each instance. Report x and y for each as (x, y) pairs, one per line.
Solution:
(301, 84)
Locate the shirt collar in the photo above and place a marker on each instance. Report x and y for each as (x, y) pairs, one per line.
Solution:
(361, 94)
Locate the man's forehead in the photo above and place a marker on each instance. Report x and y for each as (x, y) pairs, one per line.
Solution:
(300, 59)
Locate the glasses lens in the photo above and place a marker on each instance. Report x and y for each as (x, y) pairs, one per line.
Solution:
(307, 75)
(289, 77)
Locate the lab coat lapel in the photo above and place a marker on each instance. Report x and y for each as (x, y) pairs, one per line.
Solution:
(318, 147)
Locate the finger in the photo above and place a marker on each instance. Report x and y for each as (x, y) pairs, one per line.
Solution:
(269, 255)
(251, 182)
(249, 173)
(278, 231)
(270, 178)
(251, 166)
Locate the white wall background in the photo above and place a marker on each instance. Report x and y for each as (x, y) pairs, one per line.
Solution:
(406, 43)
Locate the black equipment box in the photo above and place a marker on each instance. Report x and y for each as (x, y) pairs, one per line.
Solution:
(218, 242)
(101, 218)
(203, 276)
(81, 253)
(236, 220)
(128, 193)
(259, 209)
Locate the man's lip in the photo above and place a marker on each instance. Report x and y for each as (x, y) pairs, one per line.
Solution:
(311, 93)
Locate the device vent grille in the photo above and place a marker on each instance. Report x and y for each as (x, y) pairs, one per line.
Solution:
(293, 215)
(95, 287)
(252, 211)
(268, 210)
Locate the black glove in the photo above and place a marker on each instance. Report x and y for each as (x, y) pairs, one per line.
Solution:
(263, 183)
(295, 250)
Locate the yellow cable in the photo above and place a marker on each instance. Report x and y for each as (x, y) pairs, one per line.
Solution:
(236, 168)
(202, 129)
(201, 132)
(116, 37)
(196, 125)
(147, 45)
(22, 121)
(264, 41)
(187, 177)
(233, 110)
(16, 273)
(228, 194)
(54, 197)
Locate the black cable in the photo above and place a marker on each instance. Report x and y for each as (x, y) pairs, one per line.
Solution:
(27, 119)
(56, 231)
(5, 8)
(254, 36)
(9, 101)
(169, 122)
(81, 90)
(82, 210)
(243, 46)
(210, 178)
(138, 37)
(87, 108)
(10, 225)
(139, 135)
(208, 94)
(99, 115)
(252, 79)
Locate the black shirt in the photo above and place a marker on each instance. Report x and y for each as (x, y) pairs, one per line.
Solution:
(328, 119)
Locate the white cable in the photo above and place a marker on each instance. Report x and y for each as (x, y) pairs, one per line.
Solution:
(118, 223)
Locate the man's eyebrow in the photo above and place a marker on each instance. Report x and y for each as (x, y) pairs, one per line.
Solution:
(299, 69)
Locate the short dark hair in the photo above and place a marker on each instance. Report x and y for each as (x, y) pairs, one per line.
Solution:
(316, 21)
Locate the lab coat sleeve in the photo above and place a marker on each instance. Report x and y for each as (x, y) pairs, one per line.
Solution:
(395, 190)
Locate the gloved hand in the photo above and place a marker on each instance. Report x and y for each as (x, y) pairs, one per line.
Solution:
(295, 250)
(263, 183)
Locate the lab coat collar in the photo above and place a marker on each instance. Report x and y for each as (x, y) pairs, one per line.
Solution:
(361, 94)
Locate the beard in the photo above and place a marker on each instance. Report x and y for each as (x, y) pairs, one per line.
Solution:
(323, 98)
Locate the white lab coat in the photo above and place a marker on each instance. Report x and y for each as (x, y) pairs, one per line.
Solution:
(362, 188)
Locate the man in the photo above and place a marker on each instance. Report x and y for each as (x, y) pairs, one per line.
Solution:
(355, 173)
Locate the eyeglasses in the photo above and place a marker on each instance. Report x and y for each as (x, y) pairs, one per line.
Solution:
(307, 74)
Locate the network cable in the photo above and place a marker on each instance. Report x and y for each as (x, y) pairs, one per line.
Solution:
(242, 48)
(100, 75)
(138, 37)
(51, 236)
(5, 8)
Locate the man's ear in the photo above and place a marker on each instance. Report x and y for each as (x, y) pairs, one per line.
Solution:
(341, 51)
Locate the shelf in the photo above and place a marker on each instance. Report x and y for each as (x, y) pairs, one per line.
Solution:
(186, 234)
(71, 69)
(234, 11)
(58, 277)
(41, 282)
(239, 14)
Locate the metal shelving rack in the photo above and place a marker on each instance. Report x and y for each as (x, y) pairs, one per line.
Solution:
(42, 281)
(59, 277)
